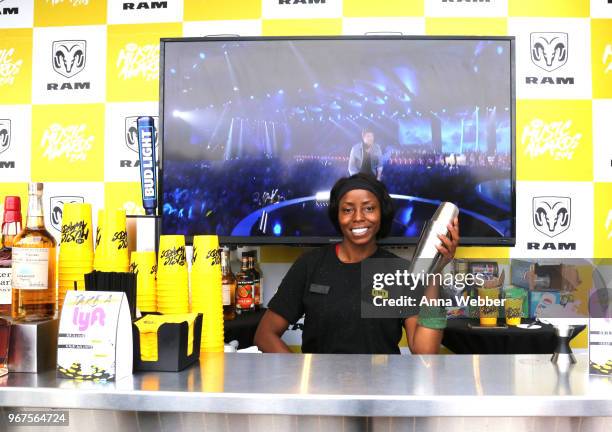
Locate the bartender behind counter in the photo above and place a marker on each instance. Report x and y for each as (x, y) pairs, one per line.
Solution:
(324, 284)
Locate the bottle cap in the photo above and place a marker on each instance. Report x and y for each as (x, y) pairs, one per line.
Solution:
(12, 209)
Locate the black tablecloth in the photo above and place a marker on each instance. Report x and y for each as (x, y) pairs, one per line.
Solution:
(243, 328)
(461, 339)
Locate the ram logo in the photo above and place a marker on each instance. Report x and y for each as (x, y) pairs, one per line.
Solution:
(5, 134)
(69, 57)
(551, 215)
(549, 50)
(131, 133)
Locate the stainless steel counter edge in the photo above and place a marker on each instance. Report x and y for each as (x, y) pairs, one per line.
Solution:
(336, 385)
(375, 406)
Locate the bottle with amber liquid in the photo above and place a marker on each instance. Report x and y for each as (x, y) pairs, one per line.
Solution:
(256, 280)
(228, 282)
(34, 291)
(11, 226)
(245, 300)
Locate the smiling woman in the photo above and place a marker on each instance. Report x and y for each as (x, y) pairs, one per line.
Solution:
(324, 285)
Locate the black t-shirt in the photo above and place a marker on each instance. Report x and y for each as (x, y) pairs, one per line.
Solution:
(332, 320)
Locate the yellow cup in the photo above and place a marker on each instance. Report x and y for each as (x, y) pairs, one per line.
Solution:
(76, 231)
(488, 314)
(514, 309)
(112, 251)
(206, 255)
(144, 265)
(172, 257)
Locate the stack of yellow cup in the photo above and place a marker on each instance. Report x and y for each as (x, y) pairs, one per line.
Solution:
(144, 265)
(172, 276)
(112, 247)
(76, 248)
(148, 326)
(206, 291)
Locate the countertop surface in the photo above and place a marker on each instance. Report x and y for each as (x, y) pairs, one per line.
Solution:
(346, 385)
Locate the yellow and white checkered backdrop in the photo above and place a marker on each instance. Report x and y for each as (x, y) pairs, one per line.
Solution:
(67, 124)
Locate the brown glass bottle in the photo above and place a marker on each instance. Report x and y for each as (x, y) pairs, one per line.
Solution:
(11, 226)
(245, 301)
(228, 282)
(34, 290)
(256, 280)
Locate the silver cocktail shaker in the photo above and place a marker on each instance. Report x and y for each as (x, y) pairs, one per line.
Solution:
(426, 256)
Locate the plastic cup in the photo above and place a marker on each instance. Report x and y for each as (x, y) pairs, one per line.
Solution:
(488, 314)
(76, 231)
(144, 265)
(206, 255)
(513, 306)
(172, 257)
(112, 251)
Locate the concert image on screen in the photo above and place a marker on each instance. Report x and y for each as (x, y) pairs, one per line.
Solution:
(257, 130)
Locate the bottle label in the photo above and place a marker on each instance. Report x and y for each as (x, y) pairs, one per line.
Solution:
(31, 268)
(5, 286)
(257, 294)
(227, 288)
(244, 296)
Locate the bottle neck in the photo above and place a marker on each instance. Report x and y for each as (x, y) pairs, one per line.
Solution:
(35, 219)
(225, 265)
(9, 231)
(244, 265)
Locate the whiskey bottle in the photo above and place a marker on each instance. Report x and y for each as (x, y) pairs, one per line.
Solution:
(34, 291)
(11, 226)
(228, 282)
(255, 275)
(244, 288)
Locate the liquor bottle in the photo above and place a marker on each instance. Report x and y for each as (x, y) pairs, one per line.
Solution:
(11, 226)
(34, 291)
(228, 282)
(256, 280)
(244, 288)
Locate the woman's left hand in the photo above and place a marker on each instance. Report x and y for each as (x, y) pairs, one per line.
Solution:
(449, 243)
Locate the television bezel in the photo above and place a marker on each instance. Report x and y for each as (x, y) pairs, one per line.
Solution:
(322, 240)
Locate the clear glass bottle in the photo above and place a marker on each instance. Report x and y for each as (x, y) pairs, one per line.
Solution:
(228, 282)
(11, 226)
(34, 290)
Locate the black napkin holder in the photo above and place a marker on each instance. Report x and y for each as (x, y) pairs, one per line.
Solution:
(172, 341)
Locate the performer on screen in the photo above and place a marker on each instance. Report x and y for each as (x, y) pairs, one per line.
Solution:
(366, 157)
(324, 285)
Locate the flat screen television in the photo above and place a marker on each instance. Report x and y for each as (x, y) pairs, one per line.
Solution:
(255, 131)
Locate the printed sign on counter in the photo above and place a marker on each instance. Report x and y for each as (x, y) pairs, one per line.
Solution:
(95, 337)
(600, 346)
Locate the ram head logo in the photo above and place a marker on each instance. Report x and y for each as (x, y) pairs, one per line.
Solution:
(5, 134)
(549, 50)
(131, 133)
(69, 57)
(551, 215)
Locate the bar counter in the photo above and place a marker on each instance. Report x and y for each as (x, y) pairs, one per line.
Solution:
(337, 385)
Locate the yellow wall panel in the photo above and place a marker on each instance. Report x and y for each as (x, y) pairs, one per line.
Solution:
(68, 143)
(479, 252)
(548, 8)
(601, 57)
(125, 196)
(202, 10)
(132, 71)
(466, 26)
(69, 12)
(602, 223)
(299, 27)
(554, 140)
(387, 8)
(15, 66)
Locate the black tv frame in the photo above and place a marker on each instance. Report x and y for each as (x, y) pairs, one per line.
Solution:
(315, 241)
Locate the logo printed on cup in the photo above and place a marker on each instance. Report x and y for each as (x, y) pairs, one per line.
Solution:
(174, 256)
(76, 232)
(121, 238)
(214, 257)
(134, 268)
